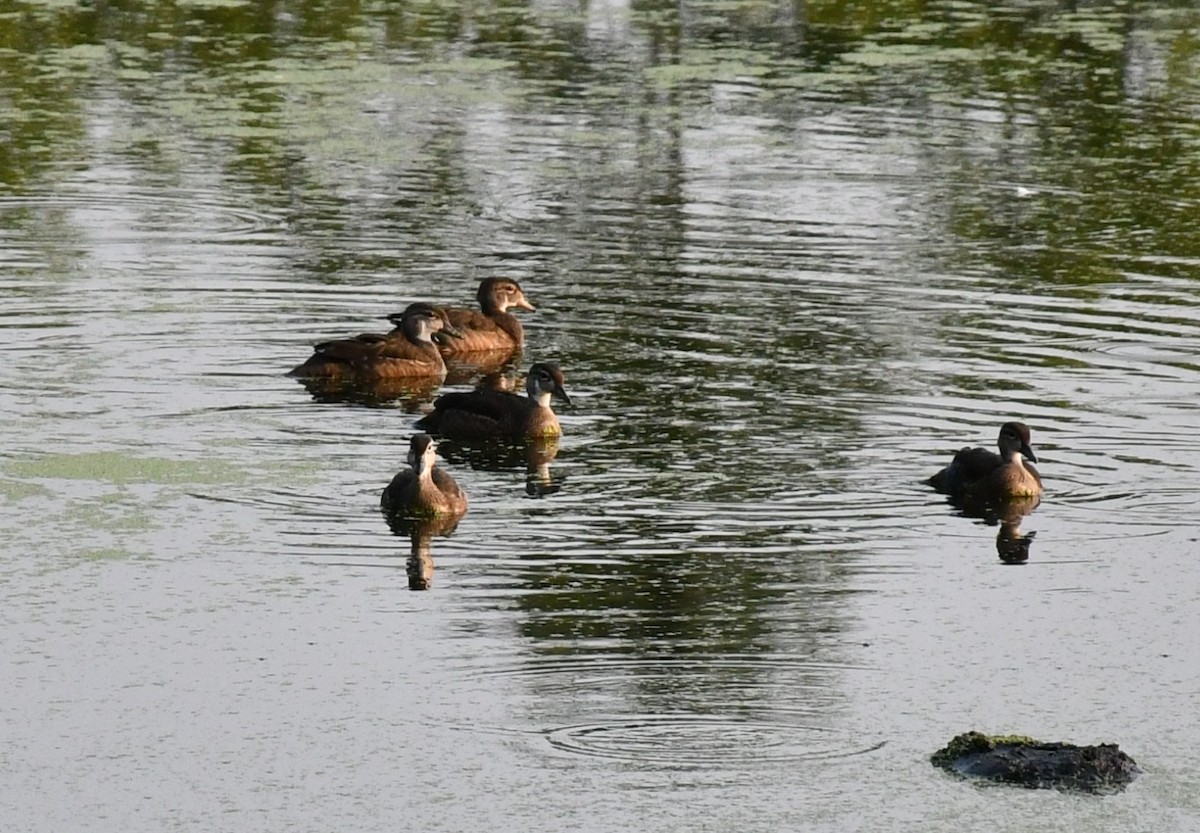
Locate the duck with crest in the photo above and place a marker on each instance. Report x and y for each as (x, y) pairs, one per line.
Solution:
(979, 475)
(492, 327)
(488, 414)
(423, 490)
(406, 352)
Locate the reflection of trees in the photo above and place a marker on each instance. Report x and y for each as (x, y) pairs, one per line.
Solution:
(35, 135)
(664, 595)
(1079, 114)
(1110, 172)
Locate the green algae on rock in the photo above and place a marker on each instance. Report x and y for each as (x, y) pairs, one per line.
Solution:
(1016, 759)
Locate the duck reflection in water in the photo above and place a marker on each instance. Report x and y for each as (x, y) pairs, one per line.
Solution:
(421, 502)
(1012, 545)
(421, 532)
(483, 371)
(534, 456)
(410, 394)
(501, 380)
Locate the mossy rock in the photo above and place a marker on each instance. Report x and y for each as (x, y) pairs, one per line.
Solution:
(1016, 759)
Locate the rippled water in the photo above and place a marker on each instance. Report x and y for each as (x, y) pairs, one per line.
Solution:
(790, 257)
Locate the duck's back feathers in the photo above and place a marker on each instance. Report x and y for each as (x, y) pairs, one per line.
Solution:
(372, 356)
(479, 413)
(969, 465)
(480, 332)
(455, 496)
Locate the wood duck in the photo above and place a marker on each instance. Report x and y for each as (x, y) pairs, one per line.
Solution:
(493, 329)
(979, 475)
(423, 490)
(500, 414)
(406, 352)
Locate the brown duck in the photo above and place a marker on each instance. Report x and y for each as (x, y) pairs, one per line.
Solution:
(423, 490)
(407, 351)
(492, 329)
(979, 475)
(499, 414)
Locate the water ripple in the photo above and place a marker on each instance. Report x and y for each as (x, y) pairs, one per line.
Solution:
(143, 214)
(703, 740)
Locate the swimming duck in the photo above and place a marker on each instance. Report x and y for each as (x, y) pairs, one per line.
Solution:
(500, 414)
(406, 351)
(495, 328)
(977, 474)
(423, 490)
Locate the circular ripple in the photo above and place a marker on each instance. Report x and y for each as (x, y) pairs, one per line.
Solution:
(701, 740)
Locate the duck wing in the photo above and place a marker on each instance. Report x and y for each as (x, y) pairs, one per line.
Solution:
(449, 487)
(402, 348)
(398, 494)
(350, 349)
(481, 413)
(968, 466)
(333, 357)
(479, 332)
(462, 318)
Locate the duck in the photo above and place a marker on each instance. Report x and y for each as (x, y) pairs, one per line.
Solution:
(492, 329)
(423, 490)
(980, 475)
(406, 352)
(496, 414)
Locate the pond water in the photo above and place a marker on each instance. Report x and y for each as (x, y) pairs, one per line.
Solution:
(790, 256)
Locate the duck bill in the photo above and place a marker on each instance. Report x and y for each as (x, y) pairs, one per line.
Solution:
(521, 303)
(1027, 452)
(562, 394)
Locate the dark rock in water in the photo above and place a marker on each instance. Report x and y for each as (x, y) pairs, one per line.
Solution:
(1020, 760)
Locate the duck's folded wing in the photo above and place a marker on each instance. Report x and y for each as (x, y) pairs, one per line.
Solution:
(447, 485)
(494, 404)
(394, 493)
(481, 412)
(350, 349)
(465, 319)
(973, 463)
(968, 466)
(401, 348)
